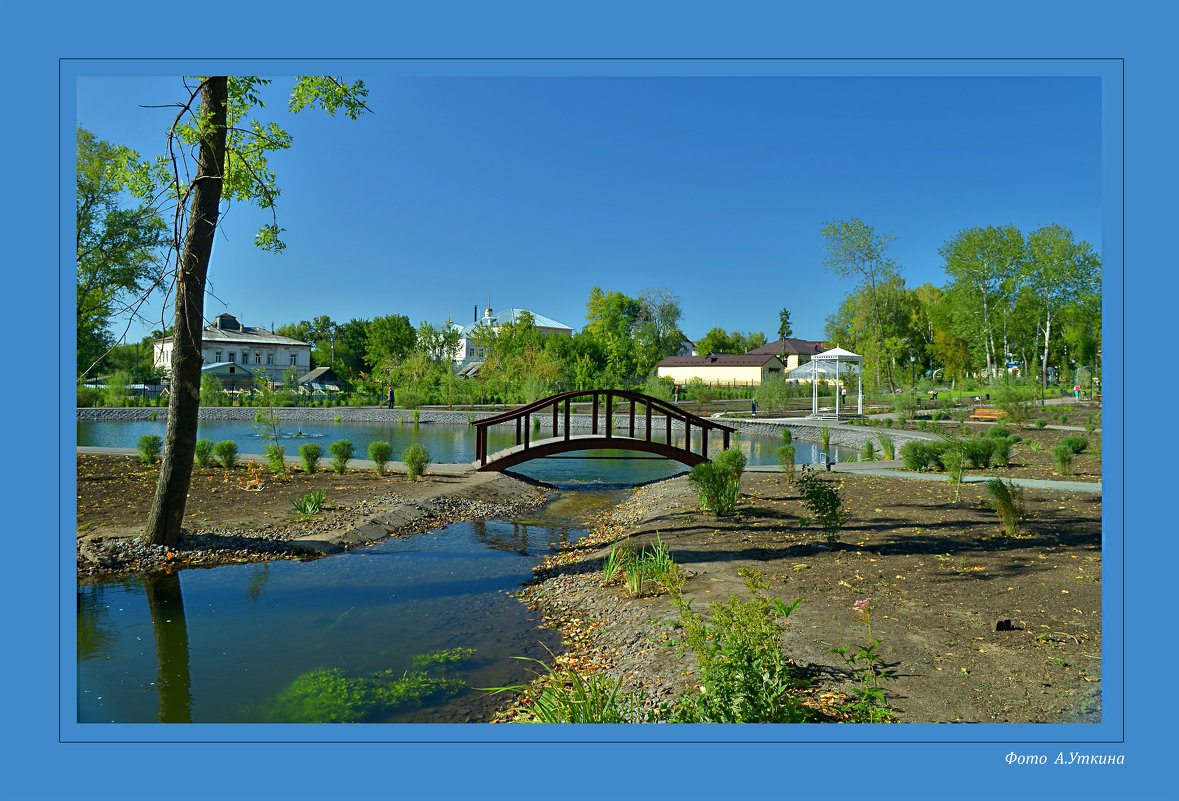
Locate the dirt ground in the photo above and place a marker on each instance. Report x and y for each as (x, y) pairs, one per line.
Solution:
(979, 627)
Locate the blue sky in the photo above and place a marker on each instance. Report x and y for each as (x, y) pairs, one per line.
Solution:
(537, 189)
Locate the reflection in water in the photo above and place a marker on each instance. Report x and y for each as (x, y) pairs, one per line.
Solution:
(96, 634)
(257, 582)
(171, 633)
(522, 537)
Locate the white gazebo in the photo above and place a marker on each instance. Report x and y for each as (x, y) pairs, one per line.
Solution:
(834, 362)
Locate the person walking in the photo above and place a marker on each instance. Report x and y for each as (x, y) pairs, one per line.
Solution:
(1077, 391)
(390, 397)
(752, 408)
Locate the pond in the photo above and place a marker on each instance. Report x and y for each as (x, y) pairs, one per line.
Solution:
(339, 639)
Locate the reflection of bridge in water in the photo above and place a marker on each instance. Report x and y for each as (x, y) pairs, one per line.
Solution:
(556, 411)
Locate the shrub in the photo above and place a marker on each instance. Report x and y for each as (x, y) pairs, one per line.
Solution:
(822, 499)
(1041, 423)
(998, 430)
(1007, 500)
(1075, 443)
(149, 446)
(786, 459)
(275, 457)
(204, 452)
(886, 445)
(916, 456)
(869, 451)
(979, 451)
(787, 437)
(310, 454)
(416, 458)
(225, 452)
(1063, 455)
(1002, 452)
(825, 436)
(341, 451)
(743, 673)
(379, 454)
(718, 482)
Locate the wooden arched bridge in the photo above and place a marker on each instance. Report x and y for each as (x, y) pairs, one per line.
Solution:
(554, 413)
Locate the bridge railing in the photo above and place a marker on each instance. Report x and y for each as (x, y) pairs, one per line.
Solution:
(558, 406)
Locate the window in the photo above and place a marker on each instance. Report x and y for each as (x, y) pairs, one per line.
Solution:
(257, 358)
(269, 358)
(217, 356)
(294, 359)
(471, 351)
(245, 357)
(232, 356)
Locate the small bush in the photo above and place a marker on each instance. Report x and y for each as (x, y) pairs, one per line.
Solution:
(416, 458)
(825, 436)
(787, 437)
(1075, 443)
(204, 452)
(916, 456)
(822, 499)
(1006, 498)
(718, 482)
(786, 458)
(998, 430)
(1002, 452)
(341, 451)
(149, 446)
(275, 457)
(1041, 423)
(979, 452)
(379, 453)
(310, 453)
(1063, 455)
(225, 452)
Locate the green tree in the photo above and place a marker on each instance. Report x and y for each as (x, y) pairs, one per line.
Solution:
(1061, 272)
(984, 264)
(390, 339)
(610, 319)
(215, 120)
(656, 332)
(855, 249)
(784, 328)
(717, 340)
(118, 249)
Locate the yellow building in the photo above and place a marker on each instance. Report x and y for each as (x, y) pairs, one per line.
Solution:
(722, 369)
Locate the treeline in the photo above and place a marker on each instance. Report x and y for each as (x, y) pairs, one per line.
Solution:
(619, 346)
(1029, 300)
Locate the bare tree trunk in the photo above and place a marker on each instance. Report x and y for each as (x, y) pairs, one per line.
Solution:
(167, 509)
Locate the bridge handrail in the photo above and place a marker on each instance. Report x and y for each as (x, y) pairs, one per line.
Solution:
(667, 408)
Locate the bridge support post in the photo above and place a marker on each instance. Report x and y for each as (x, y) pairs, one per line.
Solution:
(609, 415)
(648, 406)
(566, 418)
(554, 418)
(632, 420)
(594, 425)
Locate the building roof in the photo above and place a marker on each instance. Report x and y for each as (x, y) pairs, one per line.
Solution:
(319, 374)
(718, 360)
(222, 368)
(226, 330)
(511, 315)
(801, 347)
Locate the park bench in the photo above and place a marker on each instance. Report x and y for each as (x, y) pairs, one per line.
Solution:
(985, 414)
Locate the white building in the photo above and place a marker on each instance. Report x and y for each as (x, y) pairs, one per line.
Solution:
(228, 341)
(467, 354)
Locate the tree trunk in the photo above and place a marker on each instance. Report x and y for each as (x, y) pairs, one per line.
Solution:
(167, 509)
(1047, 342)
(173, 680)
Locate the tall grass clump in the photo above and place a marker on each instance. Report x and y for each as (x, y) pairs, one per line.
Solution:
(310, 453)
(341, 451)
(379, 453)
(786, 458)
(1006, 498)
(204, 453)
(869, 451)
(225, 452)
(887, 447)
(718, 482)
(825, 436)
(743, 675)
(149, 447)
(416, 458)
(567, 696)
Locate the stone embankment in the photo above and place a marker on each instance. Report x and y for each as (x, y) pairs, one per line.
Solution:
(841, 434)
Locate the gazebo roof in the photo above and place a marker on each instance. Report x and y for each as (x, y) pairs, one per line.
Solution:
(838, 354)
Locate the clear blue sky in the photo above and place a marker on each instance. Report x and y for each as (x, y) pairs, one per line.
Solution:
(536, 189)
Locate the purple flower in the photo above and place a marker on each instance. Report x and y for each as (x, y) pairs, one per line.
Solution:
(861, 605)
